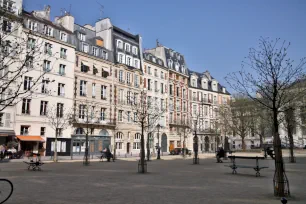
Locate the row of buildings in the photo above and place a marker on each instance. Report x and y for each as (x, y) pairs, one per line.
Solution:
(93, 69)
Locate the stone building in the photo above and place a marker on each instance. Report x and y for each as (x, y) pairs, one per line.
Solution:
(56, 60)
(178, 103)
(206, 95)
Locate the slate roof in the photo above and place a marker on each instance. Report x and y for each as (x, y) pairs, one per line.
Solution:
(149, 57)
(209, 77)
(44, 21)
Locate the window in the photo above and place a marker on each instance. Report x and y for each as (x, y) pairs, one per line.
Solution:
(171, 89)
(135, 98)
(119, 44)
(32, 25)
(27, 84)
(154, 59)
(24, 130)
(178, 105)
(61, 89)
(85, 47)
(103, 114)
(1, 120)
(42, 131)
(95, 51)
(149, 84)
(44, 86)
(31, 43)
(162, 74)
(177, 91)
(48, 31)
(82, 36)
(59, 132)
(104, 55)
(120, 114)
(121, 76)
(29, 62)
(60, 110)
(155, 73)
(47, 66)
(136, 145)
(26, 106)
(162, 101)
(135, 118)
(128, 78)
(121, 58)
(128, 98)
(194, 109)
(43, 107)
(7, 5)
(84, 67)
(119, 145)
(170, 62)
(63, 53)
(103, 92)
(155, 85)
(48, 48)
(129, 116)
(136, 83)
(149, 70)
(93, 91)
(184, 106)
(137, 136)
(127, 47)
(82, 111)
(61, 70)
(135, 50)
(83, 90)
(128, 60)
(136, 63)
(63, 36)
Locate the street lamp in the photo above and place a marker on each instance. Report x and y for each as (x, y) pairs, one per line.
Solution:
(158, 146)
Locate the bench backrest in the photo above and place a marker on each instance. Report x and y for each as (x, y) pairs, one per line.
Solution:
(245, 157)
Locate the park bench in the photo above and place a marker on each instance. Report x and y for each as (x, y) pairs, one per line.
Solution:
(234, 166)
(34, 165)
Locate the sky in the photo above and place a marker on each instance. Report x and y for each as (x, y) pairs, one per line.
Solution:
(213, 35)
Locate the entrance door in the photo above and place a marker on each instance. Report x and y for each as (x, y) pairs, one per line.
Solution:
(206, 144)
(164, 142)
(128, 147)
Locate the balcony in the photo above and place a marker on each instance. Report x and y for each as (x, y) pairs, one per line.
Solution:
(178, 123)
(83, 122)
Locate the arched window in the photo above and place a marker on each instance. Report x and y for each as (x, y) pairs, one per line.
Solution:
(137, 136)
(177, 66)
(170, 62)
(120, 44)
(119, 135)
(103, 132)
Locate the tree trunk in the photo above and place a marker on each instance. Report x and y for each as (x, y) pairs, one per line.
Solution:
(292, 160)
(279, 176)
(142, 151)
(262, 133)
(148, 148)
(55, 150)
(243, 143)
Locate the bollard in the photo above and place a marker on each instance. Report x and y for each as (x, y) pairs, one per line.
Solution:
(284, 200)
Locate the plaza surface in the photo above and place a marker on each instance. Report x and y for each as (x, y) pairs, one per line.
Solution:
(174, 180)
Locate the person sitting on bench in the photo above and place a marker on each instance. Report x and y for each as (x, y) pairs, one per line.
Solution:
(270, 152)
(220, 154)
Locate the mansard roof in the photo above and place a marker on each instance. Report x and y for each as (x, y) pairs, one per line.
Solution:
(158, 61)
(206, 75)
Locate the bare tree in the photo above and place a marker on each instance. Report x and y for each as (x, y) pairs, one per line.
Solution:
(273, 80)
(289, 125)
(238, 117)
(147, 113)
(59, 119)
(22, 53)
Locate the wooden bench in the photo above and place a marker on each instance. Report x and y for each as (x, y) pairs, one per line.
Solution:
(234, 166)
(34, 165)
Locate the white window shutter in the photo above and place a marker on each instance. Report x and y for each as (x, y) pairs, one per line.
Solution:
(52, 146)
(58, 146)
(7, 120)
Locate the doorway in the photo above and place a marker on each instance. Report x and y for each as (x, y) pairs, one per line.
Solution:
(128, 147)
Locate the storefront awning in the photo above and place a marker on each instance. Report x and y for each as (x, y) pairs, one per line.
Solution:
(30, 138)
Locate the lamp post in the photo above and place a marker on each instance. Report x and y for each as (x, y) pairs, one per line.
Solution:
(158, 146)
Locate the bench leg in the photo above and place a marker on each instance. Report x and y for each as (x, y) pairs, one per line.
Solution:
(257, 174)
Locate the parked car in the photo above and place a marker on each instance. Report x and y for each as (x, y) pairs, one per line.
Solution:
(178, 151)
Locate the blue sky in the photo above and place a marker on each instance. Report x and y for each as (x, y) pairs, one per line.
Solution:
(212, 35)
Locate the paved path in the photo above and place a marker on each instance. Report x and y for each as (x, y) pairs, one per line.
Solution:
(168, 181)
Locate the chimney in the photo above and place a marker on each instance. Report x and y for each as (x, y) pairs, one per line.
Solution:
(67, 21)
(47, 10)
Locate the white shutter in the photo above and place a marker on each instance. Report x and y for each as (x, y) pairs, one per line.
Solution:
(35, 26)
(63, 90)
(7, 120)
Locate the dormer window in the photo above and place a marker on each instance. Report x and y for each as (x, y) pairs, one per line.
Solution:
(127, 47)
(194, 83)
(129, 60)
(136, 63)
(48, 31)
(104, 55)
(85, 47)
(135, 50)
(119, 44)
(171, 53)
(204, 84)
(82, 36)
(63, 36)
(178, 56)
(183, 69)
(214, 86)
(154, 59)
(170, 62)
(32, 25)
(177, 66)
(160, 62)
(95, 51)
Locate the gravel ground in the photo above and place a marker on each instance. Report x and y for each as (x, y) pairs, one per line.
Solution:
(167, 181)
